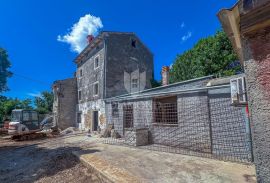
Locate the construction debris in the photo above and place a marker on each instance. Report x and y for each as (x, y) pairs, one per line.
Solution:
(70, 130)
(115, 134)
(106, 132)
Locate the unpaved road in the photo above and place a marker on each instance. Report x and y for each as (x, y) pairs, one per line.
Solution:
(47, 160)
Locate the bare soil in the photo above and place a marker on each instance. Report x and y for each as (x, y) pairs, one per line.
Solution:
(43, 160)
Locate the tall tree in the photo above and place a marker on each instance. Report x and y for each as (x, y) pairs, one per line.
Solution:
(4, 72)
(212, 55)
(44, 103)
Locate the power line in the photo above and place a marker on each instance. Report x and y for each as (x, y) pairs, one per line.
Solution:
(31, 79)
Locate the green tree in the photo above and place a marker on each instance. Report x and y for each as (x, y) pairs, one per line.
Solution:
(212, 55)
(44, 104)
(155, 83)
(8, 104)
(4, 72)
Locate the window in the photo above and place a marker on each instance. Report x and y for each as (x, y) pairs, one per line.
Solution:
(134, 83)
(26, 116)
(133, 43)
(238, 91)
(128, 116)
(80, 95)
(115, 109)
(34, 116)
(80, 73)
(96, 64)
(165, 111)
(96, 88)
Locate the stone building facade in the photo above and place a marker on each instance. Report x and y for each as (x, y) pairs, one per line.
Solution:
(189, 116)
(113, 64)
(248, 26)
(65, 101)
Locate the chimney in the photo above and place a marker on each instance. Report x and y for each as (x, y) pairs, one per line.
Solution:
(165, 75)
(90, 38)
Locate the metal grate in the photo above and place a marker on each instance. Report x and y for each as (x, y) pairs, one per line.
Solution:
(191, 124)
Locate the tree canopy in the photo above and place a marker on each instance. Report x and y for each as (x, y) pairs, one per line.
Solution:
(44, 103)
(4, 72)
(8, 104)
(212, 55)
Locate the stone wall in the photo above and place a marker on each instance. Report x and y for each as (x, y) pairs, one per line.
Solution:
(230, 129)
(141, 113)
(65, 101)
(257, 69)
(123, 57)
(86, 109)
(192, 127)
(90, 76)
(207, 123)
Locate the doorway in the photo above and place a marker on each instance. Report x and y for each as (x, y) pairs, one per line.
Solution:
(95, 120)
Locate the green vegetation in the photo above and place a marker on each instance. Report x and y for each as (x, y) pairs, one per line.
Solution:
(4, 72)
(44, 104)
(155, 83)
(212, 55)
(8, 104)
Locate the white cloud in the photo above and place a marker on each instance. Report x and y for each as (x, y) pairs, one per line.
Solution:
(187, 36)
(34, 94)
(87, 25)
(182, 25)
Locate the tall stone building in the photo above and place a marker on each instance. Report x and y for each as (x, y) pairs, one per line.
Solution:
(113, 63)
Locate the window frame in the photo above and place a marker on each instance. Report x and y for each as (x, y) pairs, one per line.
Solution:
(132, 83)
(80, 73)
(161, 112)
(94, 84)
(133, 43)
(96, 66)
(80, 95)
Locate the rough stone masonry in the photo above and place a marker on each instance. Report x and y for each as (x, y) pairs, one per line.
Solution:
(248, 26)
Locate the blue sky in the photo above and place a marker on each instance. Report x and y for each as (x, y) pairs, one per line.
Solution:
(29, 30)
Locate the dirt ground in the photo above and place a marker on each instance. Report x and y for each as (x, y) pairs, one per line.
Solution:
(46, 160)
(53, 160)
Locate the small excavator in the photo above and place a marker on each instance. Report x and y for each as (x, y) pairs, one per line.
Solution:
(25, 125)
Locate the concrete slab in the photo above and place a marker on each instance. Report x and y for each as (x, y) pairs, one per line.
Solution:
(124, 164)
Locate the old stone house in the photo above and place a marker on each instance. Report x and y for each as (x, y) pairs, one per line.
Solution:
(113, 90)
(113, 63)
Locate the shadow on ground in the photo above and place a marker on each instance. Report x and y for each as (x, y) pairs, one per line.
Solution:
(32, 163)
